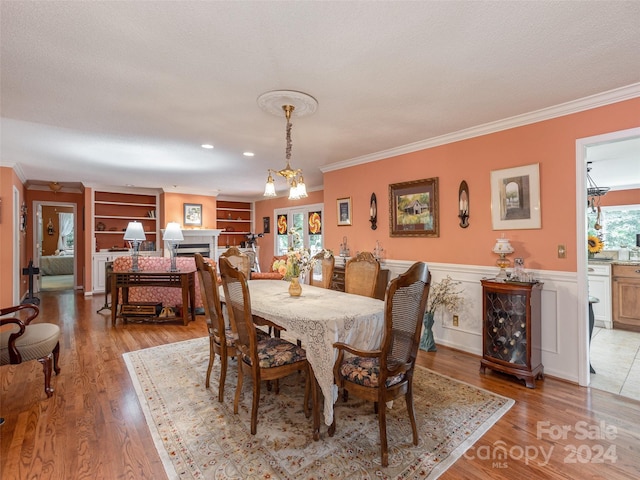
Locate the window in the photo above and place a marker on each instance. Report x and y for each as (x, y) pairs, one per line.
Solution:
(306, 221)
(620, 225)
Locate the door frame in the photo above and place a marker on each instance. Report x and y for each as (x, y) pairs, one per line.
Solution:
(582, 145)
(38, 232)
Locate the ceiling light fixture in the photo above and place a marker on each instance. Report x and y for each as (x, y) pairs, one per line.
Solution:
(55, 187)
(593, 190)
(287, 101)
(207, 146)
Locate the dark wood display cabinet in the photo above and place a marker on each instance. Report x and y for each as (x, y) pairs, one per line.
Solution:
(511, 330)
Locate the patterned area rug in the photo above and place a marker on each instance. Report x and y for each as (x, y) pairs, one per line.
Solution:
(198, 437)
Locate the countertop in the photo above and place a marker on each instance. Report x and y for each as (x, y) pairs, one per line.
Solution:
(604, 261)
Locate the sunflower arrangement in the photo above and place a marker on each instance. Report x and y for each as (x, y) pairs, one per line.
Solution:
(594, 244)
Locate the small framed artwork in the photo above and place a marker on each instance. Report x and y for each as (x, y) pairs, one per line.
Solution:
(192, 214)
(344, 211)
(413, 208)
(266, 224)
(515, 198)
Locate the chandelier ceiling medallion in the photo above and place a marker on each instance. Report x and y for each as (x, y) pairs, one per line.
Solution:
(291, 103)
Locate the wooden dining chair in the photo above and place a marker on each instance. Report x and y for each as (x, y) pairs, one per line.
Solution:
(221, 338)
(261, 359)
(361, 274)
(239, 260)
(25, 341)
(387, 373)
(322, 272)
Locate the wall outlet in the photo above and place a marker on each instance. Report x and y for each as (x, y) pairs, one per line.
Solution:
(562, 251)
(455, 320)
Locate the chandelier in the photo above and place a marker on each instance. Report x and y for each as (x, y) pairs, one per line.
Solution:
(287, 101)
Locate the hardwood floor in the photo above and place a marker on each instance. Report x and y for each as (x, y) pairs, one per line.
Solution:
(93, 426)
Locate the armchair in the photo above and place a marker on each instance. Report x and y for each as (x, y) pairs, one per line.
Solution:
(24, 341)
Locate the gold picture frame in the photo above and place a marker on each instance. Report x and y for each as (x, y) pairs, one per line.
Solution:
(413, 208)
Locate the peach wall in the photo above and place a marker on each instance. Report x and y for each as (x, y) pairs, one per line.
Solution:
(172, 207)
(551, 143)
(265, 208)
(621, 197)
(8, 179)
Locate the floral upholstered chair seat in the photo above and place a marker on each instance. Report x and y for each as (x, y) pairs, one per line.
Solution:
(168, 296)
(366, 372)
(275, 352)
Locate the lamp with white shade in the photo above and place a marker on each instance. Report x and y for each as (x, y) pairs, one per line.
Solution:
(502, 248)
(173, 236)
(135, 235)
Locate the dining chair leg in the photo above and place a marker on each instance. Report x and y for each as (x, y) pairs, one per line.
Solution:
(224, 361)
(254, 406)
(382, 421)
(212, 355)
(412, 416)
(236, 400)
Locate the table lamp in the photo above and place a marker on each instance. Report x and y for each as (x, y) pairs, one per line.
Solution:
(173, 236)
(135, 235)
(502, 248)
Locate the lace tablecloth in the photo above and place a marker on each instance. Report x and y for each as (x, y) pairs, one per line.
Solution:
(320, 317)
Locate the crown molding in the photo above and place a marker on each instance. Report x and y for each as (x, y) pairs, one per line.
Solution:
(587, 103)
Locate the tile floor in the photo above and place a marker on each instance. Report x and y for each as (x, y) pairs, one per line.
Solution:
(615, 356)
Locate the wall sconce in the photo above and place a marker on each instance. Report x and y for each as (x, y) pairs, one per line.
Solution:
(373, 212)
(463, 201)
(173, 236)
(50, 229)
(135, 235)
(502, 248)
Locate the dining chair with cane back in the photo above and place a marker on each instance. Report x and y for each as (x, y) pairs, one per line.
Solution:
(25, 341)
(259, 358)
(322, 272)
(221, 338)
(361, 274)
(238, 259)
(387, 373)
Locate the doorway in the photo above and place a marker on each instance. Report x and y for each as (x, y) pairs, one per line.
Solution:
(603, 341)
(55, 245)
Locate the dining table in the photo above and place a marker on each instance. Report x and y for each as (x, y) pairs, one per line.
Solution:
(319, 317)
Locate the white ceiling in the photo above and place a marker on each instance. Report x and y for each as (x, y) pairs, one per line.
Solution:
(115, 93)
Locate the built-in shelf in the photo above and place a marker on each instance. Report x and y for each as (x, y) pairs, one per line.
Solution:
(236, 221)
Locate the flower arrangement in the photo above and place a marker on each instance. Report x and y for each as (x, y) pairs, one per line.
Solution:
(444, 294)
(594, 244)
(299, 260)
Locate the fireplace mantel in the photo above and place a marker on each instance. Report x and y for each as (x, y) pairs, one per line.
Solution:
(200, 235)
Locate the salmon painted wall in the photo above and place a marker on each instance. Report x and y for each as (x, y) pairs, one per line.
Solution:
(172, 207)
(621, 197)
(8, 180)
(551, 143)
(265, 208)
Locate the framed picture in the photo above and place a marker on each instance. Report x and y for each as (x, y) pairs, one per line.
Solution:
(344, 211)
(413, 208)
(266, 224)
(193, 214)
(515, 198)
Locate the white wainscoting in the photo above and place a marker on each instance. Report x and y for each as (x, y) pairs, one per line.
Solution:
(560, 314)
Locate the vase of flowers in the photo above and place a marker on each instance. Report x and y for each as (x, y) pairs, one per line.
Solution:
(295, 289)
(594, 245)
(441, 294)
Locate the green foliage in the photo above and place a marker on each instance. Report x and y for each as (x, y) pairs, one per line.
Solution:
(619, 226)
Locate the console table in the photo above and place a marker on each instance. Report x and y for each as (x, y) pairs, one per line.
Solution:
(125, 280)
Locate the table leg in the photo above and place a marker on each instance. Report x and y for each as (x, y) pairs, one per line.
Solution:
(316, 404)
(114, 301)
(184, 281)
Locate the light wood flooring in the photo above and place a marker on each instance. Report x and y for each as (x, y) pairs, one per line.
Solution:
(93, 426)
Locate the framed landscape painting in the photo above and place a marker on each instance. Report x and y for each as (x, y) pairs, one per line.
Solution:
(413, 208)
(515, 198)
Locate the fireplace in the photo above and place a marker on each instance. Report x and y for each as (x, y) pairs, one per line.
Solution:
(204, 241)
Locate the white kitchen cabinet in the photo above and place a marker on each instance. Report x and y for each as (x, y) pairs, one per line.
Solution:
(600, 287)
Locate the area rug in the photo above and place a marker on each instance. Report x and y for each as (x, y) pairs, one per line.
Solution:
(198, 437)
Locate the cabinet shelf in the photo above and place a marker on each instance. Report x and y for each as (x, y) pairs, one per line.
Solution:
(126, 204)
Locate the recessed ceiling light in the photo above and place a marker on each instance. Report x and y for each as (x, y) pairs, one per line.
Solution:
(248, 154)
(207, 145)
